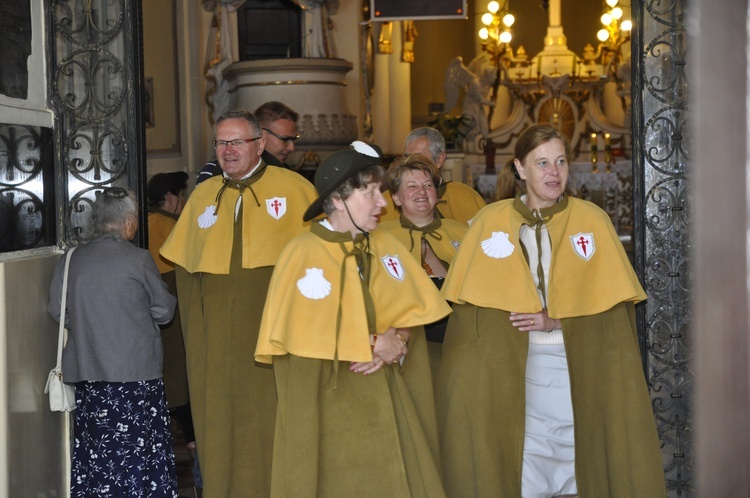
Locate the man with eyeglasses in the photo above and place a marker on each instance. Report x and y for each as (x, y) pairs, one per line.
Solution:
(225, 246)
(456, 200)
(279, 127)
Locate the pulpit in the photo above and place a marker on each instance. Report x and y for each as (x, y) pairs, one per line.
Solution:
(314, 88)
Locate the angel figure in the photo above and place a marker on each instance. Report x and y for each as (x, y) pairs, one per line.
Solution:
(477, 84)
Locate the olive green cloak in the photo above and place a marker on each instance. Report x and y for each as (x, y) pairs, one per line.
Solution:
(223, 271)
(481, 385)
(340, 433)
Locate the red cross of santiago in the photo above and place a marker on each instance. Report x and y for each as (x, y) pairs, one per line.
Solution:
(393, 266)
(583, 243)
(276, 205)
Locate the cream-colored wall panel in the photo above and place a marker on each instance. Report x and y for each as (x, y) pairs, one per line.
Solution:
(33, 446)
(160, 68)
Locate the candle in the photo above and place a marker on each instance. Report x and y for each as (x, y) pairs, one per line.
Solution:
(607, 149)
(594, 148)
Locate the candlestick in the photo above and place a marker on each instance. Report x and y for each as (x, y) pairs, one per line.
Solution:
(594, 152)
(607, 151)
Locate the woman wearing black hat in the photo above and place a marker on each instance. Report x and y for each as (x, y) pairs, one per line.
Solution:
(166, 198)
(336, 326)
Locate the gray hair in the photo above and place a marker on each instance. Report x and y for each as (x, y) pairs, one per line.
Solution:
(113, 207)
(371, 174)
(435, 140)
(241, 114)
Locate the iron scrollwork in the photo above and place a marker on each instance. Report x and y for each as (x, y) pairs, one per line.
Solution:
(25, 166)
(662, 198)
(94, 94)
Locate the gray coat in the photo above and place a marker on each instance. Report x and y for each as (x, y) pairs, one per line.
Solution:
(116, 302)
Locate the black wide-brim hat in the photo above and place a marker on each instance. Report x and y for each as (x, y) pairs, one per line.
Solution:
(338, 168)
(161, 183)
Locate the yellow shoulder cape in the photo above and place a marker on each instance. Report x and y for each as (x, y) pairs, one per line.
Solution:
(577, 286)
(198, 245)
(160, 225)
(313, 287)
(445, 241)
(460, 202)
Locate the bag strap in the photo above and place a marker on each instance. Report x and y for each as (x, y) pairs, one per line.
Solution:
(63, 304)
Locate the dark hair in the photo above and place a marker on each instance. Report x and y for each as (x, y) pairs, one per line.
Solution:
(371, 174)
(273, 111)
(248, 116)
(112, 208)
(435, 140)
(414, 162)
(508, 182)
(537, 135)
(175, 191)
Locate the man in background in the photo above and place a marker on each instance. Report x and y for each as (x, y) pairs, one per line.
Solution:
(279, 126)
(456, 200)
(225, 246)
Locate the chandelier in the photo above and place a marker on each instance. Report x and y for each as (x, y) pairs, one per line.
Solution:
(555, 86)
(555, 60)
(616, 30)
(496, 33)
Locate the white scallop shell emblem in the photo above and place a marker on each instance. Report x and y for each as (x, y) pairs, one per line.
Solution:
(313, 285)
(498, 246)
(364, 148)
(208, 218)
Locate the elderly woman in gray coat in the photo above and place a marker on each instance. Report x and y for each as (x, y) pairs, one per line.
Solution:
(116, 301)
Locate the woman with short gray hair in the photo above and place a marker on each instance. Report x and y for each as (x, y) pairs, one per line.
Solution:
(116, 301)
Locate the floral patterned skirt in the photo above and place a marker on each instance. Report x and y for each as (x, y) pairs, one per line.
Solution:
(122, 441)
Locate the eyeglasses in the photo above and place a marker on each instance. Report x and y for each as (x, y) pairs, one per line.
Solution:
(282, 137)
(222, 144)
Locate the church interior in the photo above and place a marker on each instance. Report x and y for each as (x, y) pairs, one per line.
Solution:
(96, 93)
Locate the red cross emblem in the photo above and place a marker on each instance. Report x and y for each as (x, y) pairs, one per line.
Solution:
(583, 244)
(276, 207)
(393, 265)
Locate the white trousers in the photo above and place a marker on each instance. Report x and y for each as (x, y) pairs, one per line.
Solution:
(549, 444)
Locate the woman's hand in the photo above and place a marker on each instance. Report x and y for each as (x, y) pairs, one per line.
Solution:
(367, 368)
(390, 347)
(541, 322)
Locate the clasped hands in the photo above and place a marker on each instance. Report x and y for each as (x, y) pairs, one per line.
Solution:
(388, 347)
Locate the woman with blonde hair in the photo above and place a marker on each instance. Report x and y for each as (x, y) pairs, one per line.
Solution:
(432, 241)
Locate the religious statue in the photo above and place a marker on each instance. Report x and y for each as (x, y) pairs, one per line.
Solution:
(319, 23)
(476, 81)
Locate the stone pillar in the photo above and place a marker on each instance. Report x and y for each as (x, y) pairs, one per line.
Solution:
(392, 99)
